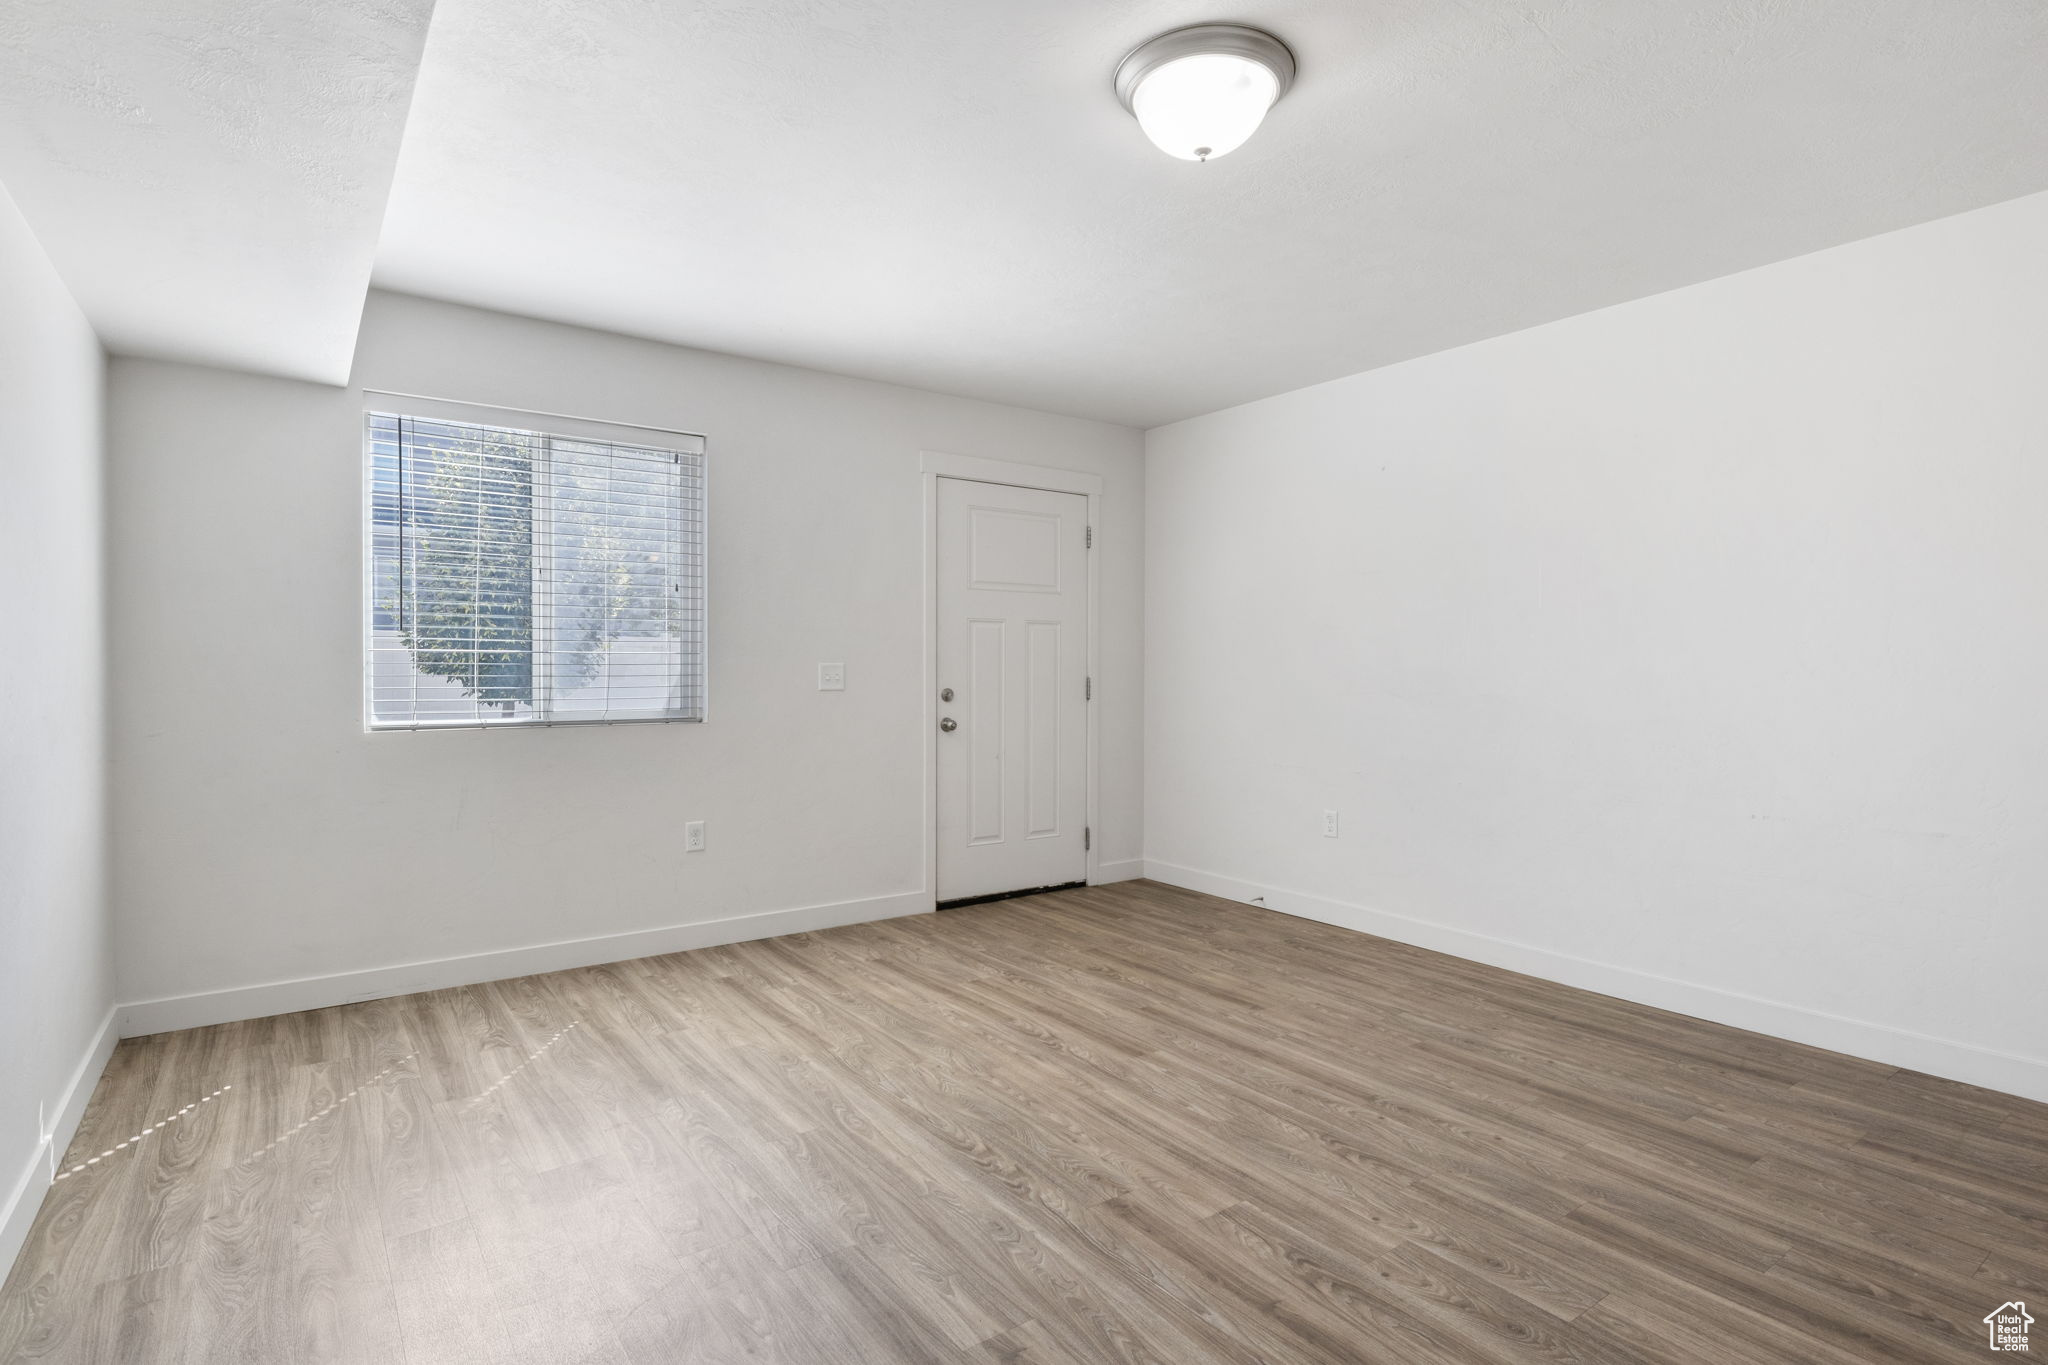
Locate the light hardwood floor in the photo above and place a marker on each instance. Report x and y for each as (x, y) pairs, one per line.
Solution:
(1127, 1124)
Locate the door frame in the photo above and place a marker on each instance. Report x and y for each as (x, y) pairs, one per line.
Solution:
(934, 465)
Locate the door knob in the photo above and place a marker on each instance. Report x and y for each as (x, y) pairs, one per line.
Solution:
(946, 723)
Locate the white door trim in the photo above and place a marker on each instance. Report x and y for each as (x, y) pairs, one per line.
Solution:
(933, 466)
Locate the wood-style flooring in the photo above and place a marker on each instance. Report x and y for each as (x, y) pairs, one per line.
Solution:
(1124, 1124)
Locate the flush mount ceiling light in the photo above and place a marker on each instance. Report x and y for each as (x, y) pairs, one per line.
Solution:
(1200, 92)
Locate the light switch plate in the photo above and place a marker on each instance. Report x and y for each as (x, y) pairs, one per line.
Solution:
(831, 677)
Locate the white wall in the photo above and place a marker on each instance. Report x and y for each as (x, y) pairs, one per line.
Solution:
(56, 980)
(261, 836)
(1695, 650)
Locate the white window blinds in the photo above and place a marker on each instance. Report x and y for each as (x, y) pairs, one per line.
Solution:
(524, 578)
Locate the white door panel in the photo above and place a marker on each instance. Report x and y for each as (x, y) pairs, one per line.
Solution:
(982, 699)
(1012, 637)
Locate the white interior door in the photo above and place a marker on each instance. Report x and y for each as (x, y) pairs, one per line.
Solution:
(1013, 655)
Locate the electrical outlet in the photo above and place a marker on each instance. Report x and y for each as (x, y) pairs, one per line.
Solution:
(831, 677)
(693, 837)
(1329, 824)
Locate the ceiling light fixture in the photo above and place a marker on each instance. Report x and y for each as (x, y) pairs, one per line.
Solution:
(1200, 92)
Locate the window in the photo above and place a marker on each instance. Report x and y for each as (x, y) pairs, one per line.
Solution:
(528, 578)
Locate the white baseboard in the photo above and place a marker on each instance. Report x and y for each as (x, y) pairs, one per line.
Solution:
(26, 1198)
(2010, 1072)
(374, 983)
(1128, 871)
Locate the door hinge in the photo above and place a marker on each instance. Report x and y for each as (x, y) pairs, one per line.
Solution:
(1088, 689)
(1088, 541)
(1087, 838)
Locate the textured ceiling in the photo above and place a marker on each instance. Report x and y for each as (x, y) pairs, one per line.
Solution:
(209, 176)
(947, 194)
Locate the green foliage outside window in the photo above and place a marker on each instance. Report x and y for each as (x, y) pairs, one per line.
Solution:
(469, 559)
(470, 565)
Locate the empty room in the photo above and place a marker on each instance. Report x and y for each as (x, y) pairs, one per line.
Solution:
(837, 682)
